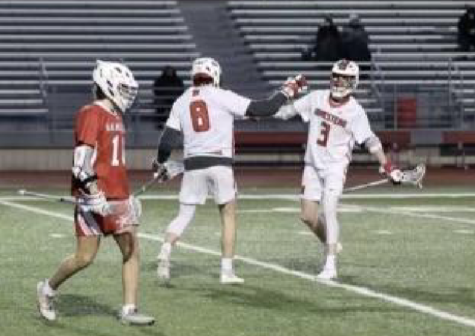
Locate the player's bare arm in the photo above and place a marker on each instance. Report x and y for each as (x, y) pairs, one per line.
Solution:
(375, 147)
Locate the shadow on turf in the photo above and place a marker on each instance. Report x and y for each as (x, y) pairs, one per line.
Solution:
(259, 297)
(181, 268)
(79, 305)
(93, 331)
(456, 295)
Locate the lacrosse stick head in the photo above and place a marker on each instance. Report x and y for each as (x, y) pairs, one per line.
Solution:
(414, 176)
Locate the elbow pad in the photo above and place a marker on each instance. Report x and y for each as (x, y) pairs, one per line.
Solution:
(82, 167)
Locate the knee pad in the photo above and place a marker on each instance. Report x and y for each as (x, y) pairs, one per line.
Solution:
(182, 220)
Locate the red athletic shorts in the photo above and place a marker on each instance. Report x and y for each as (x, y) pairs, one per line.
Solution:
(123, 219)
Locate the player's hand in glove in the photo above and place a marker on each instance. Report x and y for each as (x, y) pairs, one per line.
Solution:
(160, 171)
(392, 172)
(96, 203)
(136, 206)
(294, 86)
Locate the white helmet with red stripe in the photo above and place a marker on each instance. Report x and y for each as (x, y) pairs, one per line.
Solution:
(117, 82)
(206, 67)
(344, 78)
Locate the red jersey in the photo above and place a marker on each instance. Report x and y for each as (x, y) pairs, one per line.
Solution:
(105, 132)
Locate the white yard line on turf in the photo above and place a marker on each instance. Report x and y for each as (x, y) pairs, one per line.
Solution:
(290, 196)
(280, 269)
(419, 215)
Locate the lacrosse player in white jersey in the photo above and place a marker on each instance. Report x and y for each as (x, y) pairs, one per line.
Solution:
(204, 114)
(336, 122)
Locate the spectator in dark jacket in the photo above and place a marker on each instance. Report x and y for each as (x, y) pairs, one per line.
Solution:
(328, 43)
(355, 44)
(466, 30)
(166, 89)
(327, 46)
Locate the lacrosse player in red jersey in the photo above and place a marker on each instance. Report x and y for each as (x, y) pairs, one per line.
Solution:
(100, 185)
(204, 114)
(336, 122)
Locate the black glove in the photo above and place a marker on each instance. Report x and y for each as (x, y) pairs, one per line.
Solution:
(160, 171)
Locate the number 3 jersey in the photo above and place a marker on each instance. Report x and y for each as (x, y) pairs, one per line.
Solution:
(205, 116)
(333, 129)
(104, 130)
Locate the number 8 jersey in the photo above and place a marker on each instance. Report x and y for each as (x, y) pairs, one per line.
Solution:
(333, 129)
(205, 116)
(104, 130)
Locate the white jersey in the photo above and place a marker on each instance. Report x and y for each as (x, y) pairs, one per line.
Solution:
(205, 116)
(333, 130)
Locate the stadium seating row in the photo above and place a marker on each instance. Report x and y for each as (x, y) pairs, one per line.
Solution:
(412, 43)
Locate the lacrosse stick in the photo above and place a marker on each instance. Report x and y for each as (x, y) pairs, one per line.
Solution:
(49, 197)
(412, 177)
(172, 169)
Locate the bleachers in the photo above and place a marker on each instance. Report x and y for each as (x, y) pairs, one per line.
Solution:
(413, 44)
(49, 48)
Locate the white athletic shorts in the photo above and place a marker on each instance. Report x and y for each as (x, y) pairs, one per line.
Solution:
(316, 182)
(217, 181)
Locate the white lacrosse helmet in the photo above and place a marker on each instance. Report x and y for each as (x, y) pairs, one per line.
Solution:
(117, 83)
(344, 78)
(207, 67)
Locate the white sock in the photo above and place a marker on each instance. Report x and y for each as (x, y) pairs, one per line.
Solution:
(166, 250)
(226, 265)
(330, 262)
(47, 290)
(128, 308)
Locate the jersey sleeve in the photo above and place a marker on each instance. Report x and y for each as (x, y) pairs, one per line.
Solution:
(303, 106)
(236, 104)
(360, 127)
(173, 120)
(87, 126)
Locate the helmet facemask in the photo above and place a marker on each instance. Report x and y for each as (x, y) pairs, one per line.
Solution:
(341, 85)
(117, 83)
(344, 79)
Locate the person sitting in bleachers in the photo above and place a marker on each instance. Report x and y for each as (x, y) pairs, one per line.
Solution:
(466, 30)
(355, 44)
(327, 46)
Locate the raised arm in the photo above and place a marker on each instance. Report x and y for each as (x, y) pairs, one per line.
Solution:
(268, 107)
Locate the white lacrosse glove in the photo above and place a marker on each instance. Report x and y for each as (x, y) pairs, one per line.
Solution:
(292, 87)
(96, 203)
(135, 205)
(393, 173)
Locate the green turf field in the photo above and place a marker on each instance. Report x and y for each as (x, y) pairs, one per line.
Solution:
(407, 268)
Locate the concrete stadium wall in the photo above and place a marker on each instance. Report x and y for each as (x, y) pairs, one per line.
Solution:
(140, 159)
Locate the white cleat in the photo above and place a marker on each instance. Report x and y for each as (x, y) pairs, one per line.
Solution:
(135, 318)
(45, 302)
(230, 279)
(327, 274)
(163, 270)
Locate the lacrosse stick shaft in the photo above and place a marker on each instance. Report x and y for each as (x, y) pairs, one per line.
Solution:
(173, 169)
(49, 197)
(366, 185)
(145, 187)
